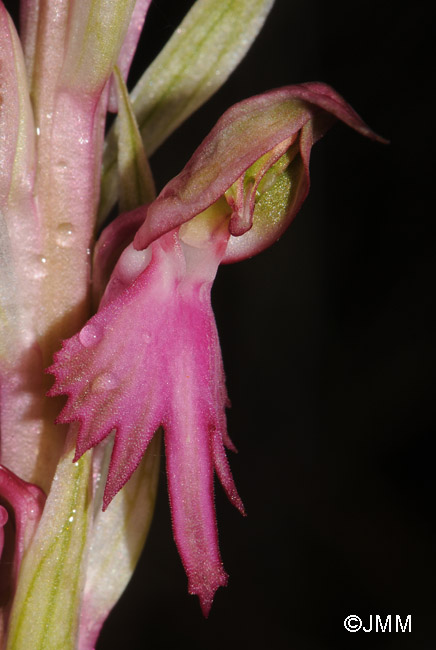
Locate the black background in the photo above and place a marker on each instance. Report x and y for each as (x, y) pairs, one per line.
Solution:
(329, 351)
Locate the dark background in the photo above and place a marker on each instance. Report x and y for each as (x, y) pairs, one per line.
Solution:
(329, 351)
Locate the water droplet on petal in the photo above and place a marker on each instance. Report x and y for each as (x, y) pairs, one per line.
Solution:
(89, 335)
(104, 382)
(38, 268)
(64, 235)
(32, 513)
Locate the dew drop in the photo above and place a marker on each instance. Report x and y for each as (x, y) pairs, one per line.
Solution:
(104, 382)
(89, 335)
(32, 513)
(64, 235)
(38, 267)
(71, 519)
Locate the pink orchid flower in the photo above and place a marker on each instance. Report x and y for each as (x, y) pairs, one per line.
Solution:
(150, 357)
(78, 483)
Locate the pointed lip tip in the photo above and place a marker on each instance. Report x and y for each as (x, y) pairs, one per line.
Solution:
(205, 608)
(107, 499)
(77, 457)
(206, 602)
(206, 596)
(79, 449)
(238, 503)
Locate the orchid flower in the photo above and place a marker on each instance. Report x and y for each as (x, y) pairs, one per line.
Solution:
(150, 357)
(140, 352)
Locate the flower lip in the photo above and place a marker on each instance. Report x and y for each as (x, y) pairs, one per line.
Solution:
(167, 372)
